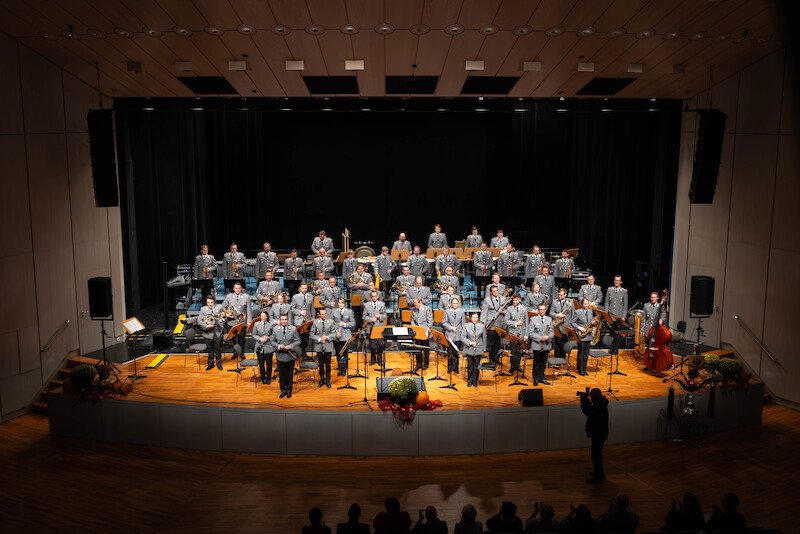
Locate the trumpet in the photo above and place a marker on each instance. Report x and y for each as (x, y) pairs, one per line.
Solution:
(236, 268)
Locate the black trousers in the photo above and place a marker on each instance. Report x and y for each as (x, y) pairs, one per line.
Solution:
(265, 365)
(515, 358)
(472, 369)
(238, 339)
(376, 347)
(342, 360)
(583, 355)
(324, 359)
(452, 358)
(540, 363)
(492, 344)
(424, 356)
(286, 375)
(214, 349)
(597, 457)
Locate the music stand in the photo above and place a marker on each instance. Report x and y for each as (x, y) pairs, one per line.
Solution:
(344, 351)
(132, 325)
(521, 345)
(441, 339)
(376, 332)
(399, 255)
(480, 285)
(359, 335)
(232, 333)
(431, 253)
(503, 335)
(615, 322)
(419, 334)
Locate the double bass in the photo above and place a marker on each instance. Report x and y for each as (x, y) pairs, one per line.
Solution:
(659, 356)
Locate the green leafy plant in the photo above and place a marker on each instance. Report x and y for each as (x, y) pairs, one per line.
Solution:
(729, 368)
(82, 377)
(711, 362)
(403, 390)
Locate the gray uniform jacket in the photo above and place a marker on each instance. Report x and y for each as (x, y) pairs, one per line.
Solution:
(267, 288)
(422, 316)
(407, 280)
(374, 309)
(348, 267)
(266, 261)
(451, 280)
(240, 303)
(437, 240)
(302, 302)
(513, 315)
(617, 301)
(560, 269)
(366, 278)
(453, 323)
(293, 269)
(417, 265)
(443, 261)
(593, 293)
(384, 265)
(508, 264)
(402, 245)
(321, 328)
(491, 308)
(286, 335)
(209, 262)
(483, 262)
(532, 264)
(216, 330)
(473, 241)
(280, 309)
(329, 297)
(261, 329)
(444, 300)
(652, 314)
(322, 264)
(539, 326)
(367, 297)
(532, 300)
(317, 244)
(547, 285)
(580, 319)
(423, 293)
(501, 289)
(566, 307)
(227, 265)
(474, 333)
(498, 242)
(344, 315)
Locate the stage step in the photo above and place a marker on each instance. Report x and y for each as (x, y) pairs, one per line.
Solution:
(40, 407)
(55, 384)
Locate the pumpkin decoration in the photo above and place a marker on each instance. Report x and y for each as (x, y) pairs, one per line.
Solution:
(422, 398)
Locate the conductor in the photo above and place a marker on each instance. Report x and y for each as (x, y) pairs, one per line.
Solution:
(595, 407)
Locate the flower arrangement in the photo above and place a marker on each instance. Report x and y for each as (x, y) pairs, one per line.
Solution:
(405, 400)
(726, 373)
(94, 382)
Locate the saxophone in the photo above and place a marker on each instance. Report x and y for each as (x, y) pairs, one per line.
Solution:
(236, 268)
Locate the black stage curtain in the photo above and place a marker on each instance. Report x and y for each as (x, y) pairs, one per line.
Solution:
(603, 182)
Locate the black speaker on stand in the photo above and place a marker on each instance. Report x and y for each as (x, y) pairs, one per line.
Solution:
(101, 308)
(100, 123)
(531, 397)
(707, 155)
(701, 304)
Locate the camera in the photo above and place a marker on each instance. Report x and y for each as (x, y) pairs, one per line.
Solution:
(582, 393)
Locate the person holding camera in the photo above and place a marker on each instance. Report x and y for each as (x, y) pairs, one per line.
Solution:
(595, 407)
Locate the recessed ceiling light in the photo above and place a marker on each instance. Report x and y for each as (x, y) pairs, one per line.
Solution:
(72, 35)
(488, 29)
(652, 100)
(384, 28)
(152, 32)
(672, 35)
(617, 32)
(246, 29)
(197, 108)
(480, 98)
(366, 109)
(522, 30)
(605, 109)
(441, 109)
(481, 109)
(286, 109)
(419, 29)
(280, 29)
(561, 98)
(454, 29)
(122, 32)
(327, 109)
(180, 30)
(349, 29)
(148, 108)
(520, 109)
(586, 32)
(697, 36)
(315, 29)
(555, 30)
(722, 37)
(644, 34)
(48, 36)
(561, 109)
(213, 30)
(97, 34)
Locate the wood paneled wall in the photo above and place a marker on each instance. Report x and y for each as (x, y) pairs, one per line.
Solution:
(747, 239)
(53, 238)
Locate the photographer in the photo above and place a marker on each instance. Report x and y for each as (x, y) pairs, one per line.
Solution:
(595, 407)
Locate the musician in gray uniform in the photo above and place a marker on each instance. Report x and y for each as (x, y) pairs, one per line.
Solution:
(509, 262)
(450, 279)
(240, 302)
(366, 295)
(473, 342)
(561, 312)
(374, 314)
(501, 287)
(536, 297)
(210, 323)
(280, 307)
(617, 299)
(421, 291)
(293, 272)
(533, 264)
(322, 241)
(516, 323)
(580, 323)
(417, 263)
(323, 333)
(499, 241)
(447, 297)
(547, 282)
(359, 280)
(267, 288)
(266, 261)
(384, 266)
(437, 239)
(474, 239)
(402, 243)
(322, 263)
(287, 343)
(346, 323)
(490, 317)
(315, 287)
(447, 259)
(262, 332)
(349, 265)
(483, 261)
(453, 326)
(564, 266)
(540, 341)
(421, 315)
(233, 264)
(654, 315)
(330, 294)
(404, 281)
(204, 265)
(302, 306)
(591, 291)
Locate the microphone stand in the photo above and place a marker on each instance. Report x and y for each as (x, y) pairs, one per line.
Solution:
(364, 400)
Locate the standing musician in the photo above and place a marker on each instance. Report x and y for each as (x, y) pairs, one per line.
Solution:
(561, 311)
(293, 272)
(316, 286)
(580, 322)
(447, 259)
(516, 323)
(474, 342)
(499, 241)
(345, 322)
(533, 265)
(536, 297)
(359, 280)
(490, 312)
(450, 279)
(322, 263)
(401, 243)
(204, 265)
(421, 291)
(547, 282)
(302, 307)
(240, 302)
(417, 263)
(280, 307)
(329, 297)
(421, 315)
(437, 239)
(286, 341)
(404, 281)
(591, 291)
(501, 287)
(266, 261)
(322, 241)
(483, 260)
(474, 239)
(453, 325)
(374, 314)
(323, 332)
(509, 262)
(654, 315)
(384, 265)
(262, 332)
(233, 264)
(267, 288)
(564, 266)
(447, 297)
(617, 299)
(210, 323)
(540, 335)
(349, 265)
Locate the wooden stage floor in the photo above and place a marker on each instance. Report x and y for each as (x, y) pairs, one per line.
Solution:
(179, 379)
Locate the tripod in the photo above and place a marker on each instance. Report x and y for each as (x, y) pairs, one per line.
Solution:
(364, 351)
(695, 351)
(104, 360)
(615, 352)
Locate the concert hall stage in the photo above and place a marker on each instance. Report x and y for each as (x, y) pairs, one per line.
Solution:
(181, 405)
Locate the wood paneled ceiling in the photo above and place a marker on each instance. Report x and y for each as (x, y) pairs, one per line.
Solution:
(398, 37)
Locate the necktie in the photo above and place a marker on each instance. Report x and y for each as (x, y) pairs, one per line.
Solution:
(284, 330)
